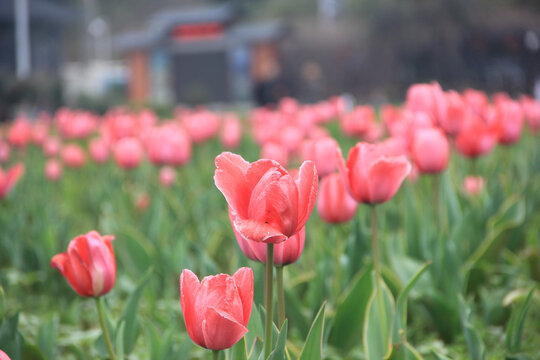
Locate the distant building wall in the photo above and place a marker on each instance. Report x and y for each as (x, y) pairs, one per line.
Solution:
(139, 81)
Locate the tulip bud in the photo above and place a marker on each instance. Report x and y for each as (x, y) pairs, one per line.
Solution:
(335, 205)
(431, 150)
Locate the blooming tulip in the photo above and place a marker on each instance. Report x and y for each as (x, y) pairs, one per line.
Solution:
(20, 133)
(270, 205)
(217, 310)
(430, 150)
(322, 152)
(51, 146)
(9, 179)
(128, 153)
(371, 176)
(276, 152)
(285, 253)
(168, 145)
(53, 170)
(428, 98)
(335, 205)
(89, 264)
(73, 156)
(509, 121)
(476, 137)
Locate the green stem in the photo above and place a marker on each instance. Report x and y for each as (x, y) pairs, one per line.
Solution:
(269, 295)
(377, 264)
(280, 296)
(215, 354)
(104, 328)
(337, 263)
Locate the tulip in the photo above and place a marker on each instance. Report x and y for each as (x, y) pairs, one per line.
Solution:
(269, 204)
(509, 121)
(167, 176)
(53, 170)
(73, 156)
(430, 150)
(335, 205)
(531, 110)
(285, 253)
(232, 131)
(276, 152)
(217, 310)
(142, 201)
(476, 137)
(359, 122)
(322, 152)
(51, 146)
(371, 176)
(9, 179)
(99, 150)
(456, 111)
(428, 98)
(473, 185)
(128, 153)
(3, 356)
(88, 265)
(20, 133)
(5, 152)
(168, 145)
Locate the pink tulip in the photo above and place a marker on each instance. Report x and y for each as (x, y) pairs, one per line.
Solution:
(142, 201)
(201, 125)
(430, 150)
(3, 356)
(9, 178)
(476, 99)
(359, 122)
(73, 156)
(456, 112)
(335, 205)
(276, 152)
(427, 98)
(217, 310)
(88, 265)
(476, 138)
(53, 170)
(270, 205)
(531, 110)
(167, 176)
(509, 121)
(168, 144)
(51, 146)
(473, 185)
(128, 153)
(5, 152)
(322, 152)
(371, 176)
(20, 133)
(285, 253)
(232, 131)
(99, 150)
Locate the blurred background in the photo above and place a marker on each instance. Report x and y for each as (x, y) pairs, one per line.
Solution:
(95, 54)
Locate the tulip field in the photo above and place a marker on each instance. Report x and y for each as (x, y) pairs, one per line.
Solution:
(300, 231)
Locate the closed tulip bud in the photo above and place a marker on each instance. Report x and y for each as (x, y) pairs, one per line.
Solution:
(231, 132)
(53, 170)
(167, 176)
(473, 185)
(476, 138)
(128, 153)
(99, 150)
(276, 152)
(3, 356)
(509, 121)
(89, 264)
(20, 133)
(335, 205)
(322, 152)
(73, 156)
(51, 146)
(371, 176)
(217, 310)
(269, 203)
(285, 253)
(9, 179)
(430, 150)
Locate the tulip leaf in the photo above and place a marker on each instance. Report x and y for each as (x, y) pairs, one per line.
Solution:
(350, 312)
(47, 335)
(131, 326)
(255, 331)
(279, 351)
(399, 329)
(2, 304)
(239, 350)
(474, 341)
(438, 356)
(404, 352)
(378, 323)
(514, 331)
(120, 339)
(312, 349)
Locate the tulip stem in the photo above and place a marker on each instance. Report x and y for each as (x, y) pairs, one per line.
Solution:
(280, 296)
(269, 295)
(377, 265)
(104, 328)
(215, 354)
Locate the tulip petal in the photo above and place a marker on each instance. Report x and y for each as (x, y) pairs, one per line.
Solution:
(220, 331)
(258, 231)
(385, 177)
(230, 179)
(189, 286)
(243, 278)
(13, 176)
(307, 184)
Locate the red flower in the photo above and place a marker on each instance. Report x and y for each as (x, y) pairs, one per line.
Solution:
(3, 356)
(476, 137)
(128, 153)
(370, 175)
(9, 179)
(217, 310)
(335, 205)
(89, 264)
(270, 205)
(430, 150)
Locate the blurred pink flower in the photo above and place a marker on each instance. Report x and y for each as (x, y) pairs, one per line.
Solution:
(128, 152)
(53, 170)
(73, 156)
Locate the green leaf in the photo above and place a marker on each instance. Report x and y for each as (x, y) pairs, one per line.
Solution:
(474, 341)
(378, 323)
(279, 351)
(120, 339)
(514, 331)
(2, 305)
(312, 349)
(239, 350)
(350, 312)
(399, 329)
(129, 317)
(404, 352)
(47, 335)
(255, 332)
(438, 356)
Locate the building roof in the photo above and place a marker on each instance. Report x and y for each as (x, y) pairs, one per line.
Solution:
(160, 24)
(39, 10)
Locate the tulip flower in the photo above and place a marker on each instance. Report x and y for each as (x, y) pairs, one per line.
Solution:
(167, 176)
(510, 121)
(217, 310)
(5, 152)
(269, 204)
(371, 176)
(128, 153)
(476, 137)
(335, 205)
(9, 178)
(473, 185)
(168, 145)
(20, 133)
(531, 110)
(231, 133)
(73, 156)
(53, 170)
(99, 150)
(89, 266)
(285, 253)
(51, 146)
(430, 150)
(3, 356)
(276, 152)
(428, 98)
(322, 152)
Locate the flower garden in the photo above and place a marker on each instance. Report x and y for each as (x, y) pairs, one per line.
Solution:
(303, 231)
